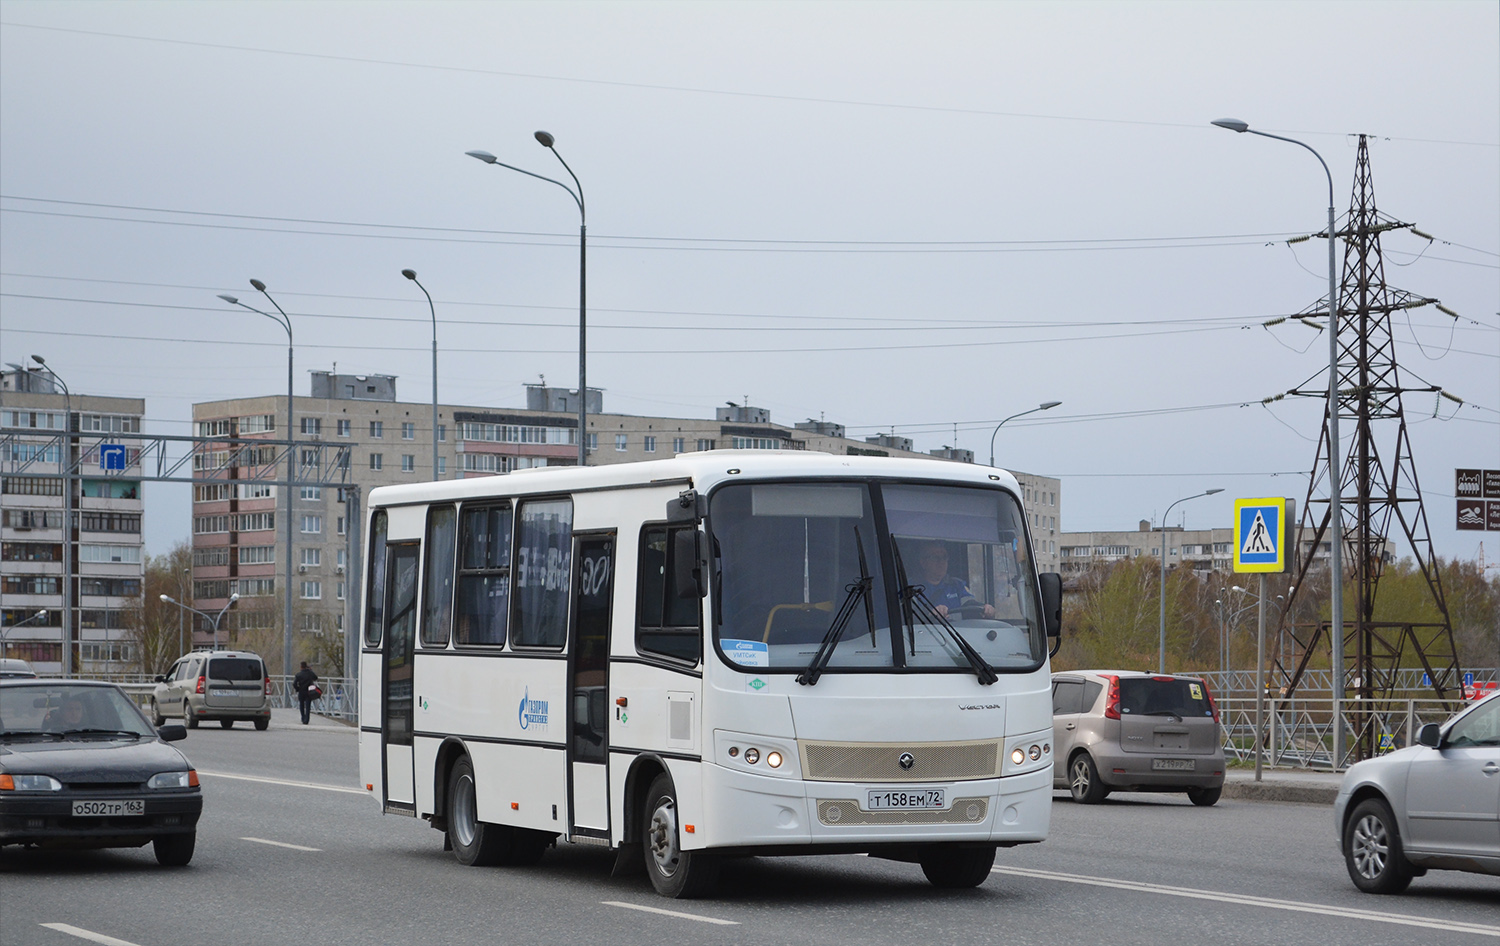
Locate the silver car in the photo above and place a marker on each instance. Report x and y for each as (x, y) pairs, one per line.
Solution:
(1432, 806)
(1116, 730)
(223, 685)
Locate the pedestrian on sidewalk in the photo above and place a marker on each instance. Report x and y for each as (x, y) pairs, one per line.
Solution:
(307, 690)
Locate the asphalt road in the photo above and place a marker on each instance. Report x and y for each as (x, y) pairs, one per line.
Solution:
(290, 850)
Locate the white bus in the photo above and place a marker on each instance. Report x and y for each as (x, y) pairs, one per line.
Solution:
(727, 653)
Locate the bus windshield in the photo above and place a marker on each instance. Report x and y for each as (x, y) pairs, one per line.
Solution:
(810, 576)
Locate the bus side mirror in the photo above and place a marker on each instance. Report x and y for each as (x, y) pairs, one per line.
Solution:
(687, 563)
(1052, 603)
(687, 507)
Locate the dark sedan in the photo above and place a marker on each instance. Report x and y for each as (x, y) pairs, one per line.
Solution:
(82, 767)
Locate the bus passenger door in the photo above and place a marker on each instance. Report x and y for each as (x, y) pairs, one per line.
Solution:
(396, 668)
(588, 678)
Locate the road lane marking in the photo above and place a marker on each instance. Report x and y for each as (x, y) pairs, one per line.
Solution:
(295, 847)
(88, 935)
(680, 916)
(282, 781)
(1294, 906)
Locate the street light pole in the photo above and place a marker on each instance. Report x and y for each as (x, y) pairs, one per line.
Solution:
(1162, 655)
(291, 464)
(547, 141)
(1047, 406)
(1335, 478)
(5, 641)
(212, 618)
(66, 468)
(412, 275)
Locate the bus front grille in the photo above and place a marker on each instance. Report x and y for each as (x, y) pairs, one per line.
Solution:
(840, 811)
(882, 762)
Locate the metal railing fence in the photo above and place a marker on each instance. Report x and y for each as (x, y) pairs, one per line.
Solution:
(340, 699)
(1299, 733)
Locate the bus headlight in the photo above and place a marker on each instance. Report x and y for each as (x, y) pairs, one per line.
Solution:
(1017, 756)
(752, 756)
(1035, 753)
(773, 759)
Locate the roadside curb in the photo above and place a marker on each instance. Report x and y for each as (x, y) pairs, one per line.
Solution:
(1286, 790)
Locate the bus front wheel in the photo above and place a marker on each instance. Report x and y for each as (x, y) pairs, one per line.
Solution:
(475, 843)
(674, 872)
(958, 867)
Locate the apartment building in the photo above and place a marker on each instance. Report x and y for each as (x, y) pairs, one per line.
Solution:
(239, 539)
(101, 557)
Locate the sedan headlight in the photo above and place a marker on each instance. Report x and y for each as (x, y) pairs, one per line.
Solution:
(29, 783)
(186, 779)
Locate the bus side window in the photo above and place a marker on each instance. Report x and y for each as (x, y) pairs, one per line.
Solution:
(483, 576)
(375, 613)
(437, 616)
(667, 624)
(544, 567)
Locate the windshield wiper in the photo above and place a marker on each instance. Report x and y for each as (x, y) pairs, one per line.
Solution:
(101, 732)
(915, 604)
(23, 733)
(853, 592)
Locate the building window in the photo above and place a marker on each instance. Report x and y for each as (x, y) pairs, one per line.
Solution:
(311, 525)
(376, 461)
(210, 493)
(342, 559)
(408, 463)
(705, 444)
(442, 433)
(312, 558)
(258, 424)
(341, 525)
(442, 466)
(312, 622)
(340, 588)
(622, 443)
(343, 428)
(677, 444)
(377, 428)
(649, 444)
(130, 554)
(312, 493)
(32, 486)
(408, 431)
(312, 590)
(109, 522)
(593, 442)
(254, 491)
(253, 555)
(312, 426)
(253, 522)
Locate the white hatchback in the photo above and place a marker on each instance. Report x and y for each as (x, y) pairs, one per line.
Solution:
(1435, 805)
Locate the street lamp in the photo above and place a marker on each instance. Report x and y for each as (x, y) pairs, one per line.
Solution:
(213, 618)
(1162, 654)
(1335, 481)
(412, 275)
(1047, 406)
(547, 141)
(291, 461)
(5, 641)
(66, 468)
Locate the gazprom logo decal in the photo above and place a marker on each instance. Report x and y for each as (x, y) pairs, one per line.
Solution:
(533, 712)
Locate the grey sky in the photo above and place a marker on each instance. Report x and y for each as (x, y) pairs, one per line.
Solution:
(931, 181)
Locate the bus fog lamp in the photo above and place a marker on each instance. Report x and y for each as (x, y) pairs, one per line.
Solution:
(1035, 753)
(773, 759)
(752, 756)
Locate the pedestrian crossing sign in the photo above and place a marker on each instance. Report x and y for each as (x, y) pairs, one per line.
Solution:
(1260, 535)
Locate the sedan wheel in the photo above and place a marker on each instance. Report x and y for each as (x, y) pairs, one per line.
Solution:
(1372, 849)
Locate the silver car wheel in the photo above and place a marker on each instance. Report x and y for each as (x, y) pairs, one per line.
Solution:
(1370, 847)
(1080, 780)
(663, 838)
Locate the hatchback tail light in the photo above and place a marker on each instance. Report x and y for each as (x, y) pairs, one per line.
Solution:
(1112, 699)
(200, 685)
(268, 686)
(1211, 704)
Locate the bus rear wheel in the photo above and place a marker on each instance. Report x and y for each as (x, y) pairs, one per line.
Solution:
(474, 843)
(674, 872)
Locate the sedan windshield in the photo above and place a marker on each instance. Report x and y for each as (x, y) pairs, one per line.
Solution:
(810, 575)
(69, 711)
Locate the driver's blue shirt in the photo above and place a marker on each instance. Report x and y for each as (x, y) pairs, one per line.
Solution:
(950, 592)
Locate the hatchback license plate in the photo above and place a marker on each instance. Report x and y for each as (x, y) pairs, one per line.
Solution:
(910, 799)
(108, 809)
(1173, 765)
(221, 693)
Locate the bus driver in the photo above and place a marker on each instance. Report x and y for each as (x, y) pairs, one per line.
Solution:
(946, 592)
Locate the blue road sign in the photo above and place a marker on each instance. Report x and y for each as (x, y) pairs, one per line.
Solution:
(111, 456)
(1260, 535)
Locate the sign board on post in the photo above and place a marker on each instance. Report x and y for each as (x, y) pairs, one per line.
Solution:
(1260, 535)
(1478, 499)
(111, 456)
